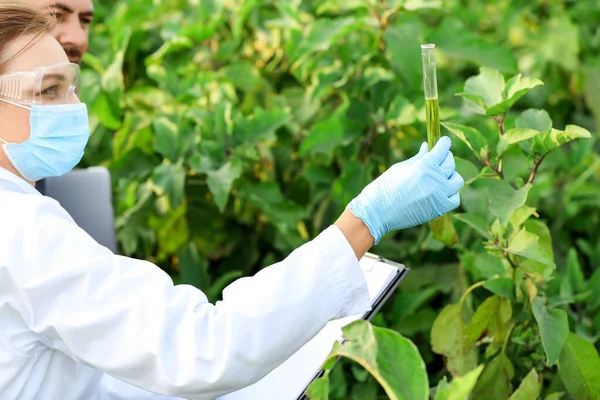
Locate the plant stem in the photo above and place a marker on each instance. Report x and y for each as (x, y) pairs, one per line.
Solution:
(508, 336)
(469, 290)
(490, 166)
(536, 166)
(511, 262)
(500, 121)
(514, 267)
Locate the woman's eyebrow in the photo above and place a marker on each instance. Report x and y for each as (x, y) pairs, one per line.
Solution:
(56, 77)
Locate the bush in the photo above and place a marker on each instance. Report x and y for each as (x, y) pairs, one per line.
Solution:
(236, 131)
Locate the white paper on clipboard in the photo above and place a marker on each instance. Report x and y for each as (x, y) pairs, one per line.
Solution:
(290, 379)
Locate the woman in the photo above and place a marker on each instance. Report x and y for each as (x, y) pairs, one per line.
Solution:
(76, 321)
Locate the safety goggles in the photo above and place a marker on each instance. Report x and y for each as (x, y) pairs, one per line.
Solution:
(57, 84)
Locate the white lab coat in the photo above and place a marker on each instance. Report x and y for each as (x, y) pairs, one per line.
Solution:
(78, 322)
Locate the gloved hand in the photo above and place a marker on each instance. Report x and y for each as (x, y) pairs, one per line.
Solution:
(411, 192)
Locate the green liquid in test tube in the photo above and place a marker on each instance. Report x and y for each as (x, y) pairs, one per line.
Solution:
(432, 108)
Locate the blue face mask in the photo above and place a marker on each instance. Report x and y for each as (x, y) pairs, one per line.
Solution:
(55, 146)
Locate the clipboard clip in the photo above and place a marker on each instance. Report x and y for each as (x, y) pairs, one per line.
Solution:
(373, 258)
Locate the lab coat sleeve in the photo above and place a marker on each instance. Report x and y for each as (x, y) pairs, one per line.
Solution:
(126, 318)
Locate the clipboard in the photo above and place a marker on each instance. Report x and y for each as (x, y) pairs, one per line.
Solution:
(290, 380)
(375, 308)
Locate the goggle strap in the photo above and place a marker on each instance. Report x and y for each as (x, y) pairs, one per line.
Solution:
(3, 141)
(15, 104)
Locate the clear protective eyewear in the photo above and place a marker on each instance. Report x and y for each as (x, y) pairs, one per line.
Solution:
(53, 85)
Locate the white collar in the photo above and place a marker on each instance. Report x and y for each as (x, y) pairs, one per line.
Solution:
(12, 183)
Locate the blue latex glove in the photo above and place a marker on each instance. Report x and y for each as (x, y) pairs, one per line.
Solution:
(411, 192)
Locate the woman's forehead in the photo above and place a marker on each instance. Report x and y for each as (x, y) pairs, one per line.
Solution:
(45, 51)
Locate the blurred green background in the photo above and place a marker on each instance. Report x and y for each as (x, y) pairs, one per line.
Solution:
(237, 130)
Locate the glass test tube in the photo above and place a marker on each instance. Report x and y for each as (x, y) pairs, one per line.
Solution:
(431, 94)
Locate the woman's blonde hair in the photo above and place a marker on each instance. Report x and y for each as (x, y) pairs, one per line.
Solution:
(18, 20)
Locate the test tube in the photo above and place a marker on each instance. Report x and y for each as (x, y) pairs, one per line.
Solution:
(431, 94)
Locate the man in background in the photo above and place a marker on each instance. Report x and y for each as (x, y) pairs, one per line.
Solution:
(73, 19)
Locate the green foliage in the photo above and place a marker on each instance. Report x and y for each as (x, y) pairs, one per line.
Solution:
(529, 389)
(579, 368)
(235, 131)
(460, 388)
(391, 359)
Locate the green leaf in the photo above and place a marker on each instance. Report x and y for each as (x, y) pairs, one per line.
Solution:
(536, 119)
(559, 42)
(488, 94)
(319, 389)
(484, 266)
(513, 136)
(391, 359)
(324, 32)
(260, 126)
(534, 267)
(279, 210)
(401, 112)
(110, 102)
(529, 389)
(403, 40)
(574, 282)
(408, 302)
(487, 86)
(167, 138)
(372, 76)
(299, 101)
(491, 315)
(443, 230)
(106, 110)
(454, 39)
(520, 215)
(447, 339)
(216, 288)
(245, 76)
(354, 177)
(243, 13)
(201, 30)
(591, 91)
(461, 387)
(475, 222)
(481, 319)
(515, 88)
(363, 391)
(503, 287)
(548, 141)
(466, 169)
(594, 285)
(541, 230)
(172, 45)
(324, 136)
(528, 245)
(555, 396)
(579, 368)
(504, 200)
(194, 269)
(169, 180)
(494, 383)
(471, 136)
(554, 329)
(338, 6)
(220, 181)
(412, 5)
